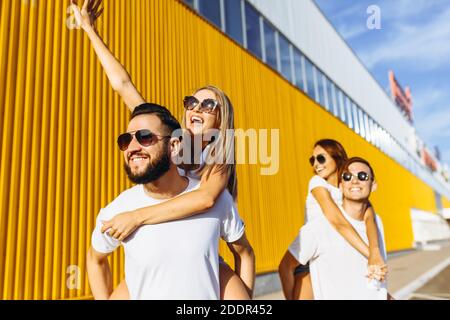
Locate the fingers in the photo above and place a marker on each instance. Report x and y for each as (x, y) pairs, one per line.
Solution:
(123, 236)
(96, 5)
(86, 4)
(115, 233)
(98, 14)
(106, 225)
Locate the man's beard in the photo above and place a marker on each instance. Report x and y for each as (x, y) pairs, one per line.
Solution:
(152, 172)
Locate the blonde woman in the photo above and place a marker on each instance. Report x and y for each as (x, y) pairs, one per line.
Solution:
(208, 108)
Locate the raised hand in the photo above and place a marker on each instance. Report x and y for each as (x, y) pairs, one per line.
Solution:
(88, 14)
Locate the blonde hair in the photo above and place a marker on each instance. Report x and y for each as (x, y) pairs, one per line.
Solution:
(225, 142)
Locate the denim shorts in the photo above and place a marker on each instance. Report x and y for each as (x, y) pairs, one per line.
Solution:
(301, 269)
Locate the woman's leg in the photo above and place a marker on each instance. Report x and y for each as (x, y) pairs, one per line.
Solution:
(303, 287)
(120, 292)
(231, 286)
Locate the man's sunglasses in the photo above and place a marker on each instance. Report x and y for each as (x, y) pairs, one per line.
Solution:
(207, 105)
(145, 138)
(362, 176)
(320, 159)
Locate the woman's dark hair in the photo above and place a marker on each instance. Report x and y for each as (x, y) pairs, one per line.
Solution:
(335, 150)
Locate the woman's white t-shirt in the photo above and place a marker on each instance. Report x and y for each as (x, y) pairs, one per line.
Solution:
(313, 209)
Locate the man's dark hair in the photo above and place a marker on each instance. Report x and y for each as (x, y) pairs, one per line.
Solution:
(168, 120)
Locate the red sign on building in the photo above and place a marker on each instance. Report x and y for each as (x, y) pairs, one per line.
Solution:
(401, 97)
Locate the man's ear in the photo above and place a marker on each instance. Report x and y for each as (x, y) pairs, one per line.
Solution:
(175, 146)
(374, 185)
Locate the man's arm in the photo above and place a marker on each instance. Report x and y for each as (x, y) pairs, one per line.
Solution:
(244, 262)
(99, 274)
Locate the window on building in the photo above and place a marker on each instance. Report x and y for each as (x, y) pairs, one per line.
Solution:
(331, 99)
(210, 9)
(310, 82)
(270, 45)
(298, 69)
(370, 131)
(368, 128)
(348, 108)
(340, 96)
(233, 20)
(285, 57)
(362, 124)
(320, 88)
(253, 30)
(356, 126)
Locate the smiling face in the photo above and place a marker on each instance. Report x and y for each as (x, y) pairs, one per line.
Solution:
(200, 122)
(146, 164)
(326, 169)
(355, 189)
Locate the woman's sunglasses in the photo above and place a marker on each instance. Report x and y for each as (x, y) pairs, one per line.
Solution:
(320, 159)
(145, 138)
(207, 105)
(362, 176)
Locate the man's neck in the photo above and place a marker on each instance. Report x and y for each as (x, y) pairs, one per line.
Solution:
(168, 186)
(355, 209)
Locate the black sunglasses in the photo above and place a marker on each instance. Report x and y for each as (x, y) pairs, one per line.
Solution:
(362, 176)
(207, 105)
(320, 159)
(145, 138)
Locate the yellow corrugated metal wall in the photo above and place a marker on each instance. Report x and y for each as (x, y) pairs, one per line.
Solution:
(445, 202)
(59, 120)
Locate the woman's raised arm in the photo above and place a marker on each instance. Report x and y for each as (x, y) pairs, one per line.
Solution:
(118, 76)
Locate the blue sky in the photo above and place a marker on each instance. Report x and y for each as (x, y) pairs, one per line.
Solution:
(414, 42)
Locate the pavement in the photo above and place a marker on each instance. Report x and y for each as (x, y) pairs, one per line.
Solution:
(421, 274)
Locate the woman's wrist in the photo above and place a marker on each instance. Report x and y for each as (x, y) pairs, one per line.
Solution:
(139, 216)
(90, 30)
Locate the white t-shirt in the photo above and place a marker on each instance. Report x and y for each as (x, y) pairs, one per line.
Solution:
(177, 260)
(338, 271)
(313, 209)
(195, 174)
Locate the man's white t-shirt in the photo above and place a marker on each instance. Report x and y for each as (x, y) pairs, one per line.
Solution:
(313, 209)
(338, 271)
(177, 260)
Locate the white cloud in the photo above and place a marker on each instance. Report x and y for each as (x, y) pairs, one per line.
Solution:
(425, 46)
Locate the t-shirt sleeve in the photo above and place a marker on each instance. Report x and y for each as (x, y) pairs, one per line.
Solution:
(305, 246)
(316, 182)
(232, 227)
(102, 242)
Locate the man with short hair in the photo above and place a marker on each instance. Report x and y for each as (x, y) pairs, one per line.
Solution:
(173, 260)
(338, 271)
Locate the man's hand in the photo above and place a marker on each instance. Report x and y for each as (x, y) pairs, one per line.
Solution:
(86, 16)
(122, 225)
(376, 266)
